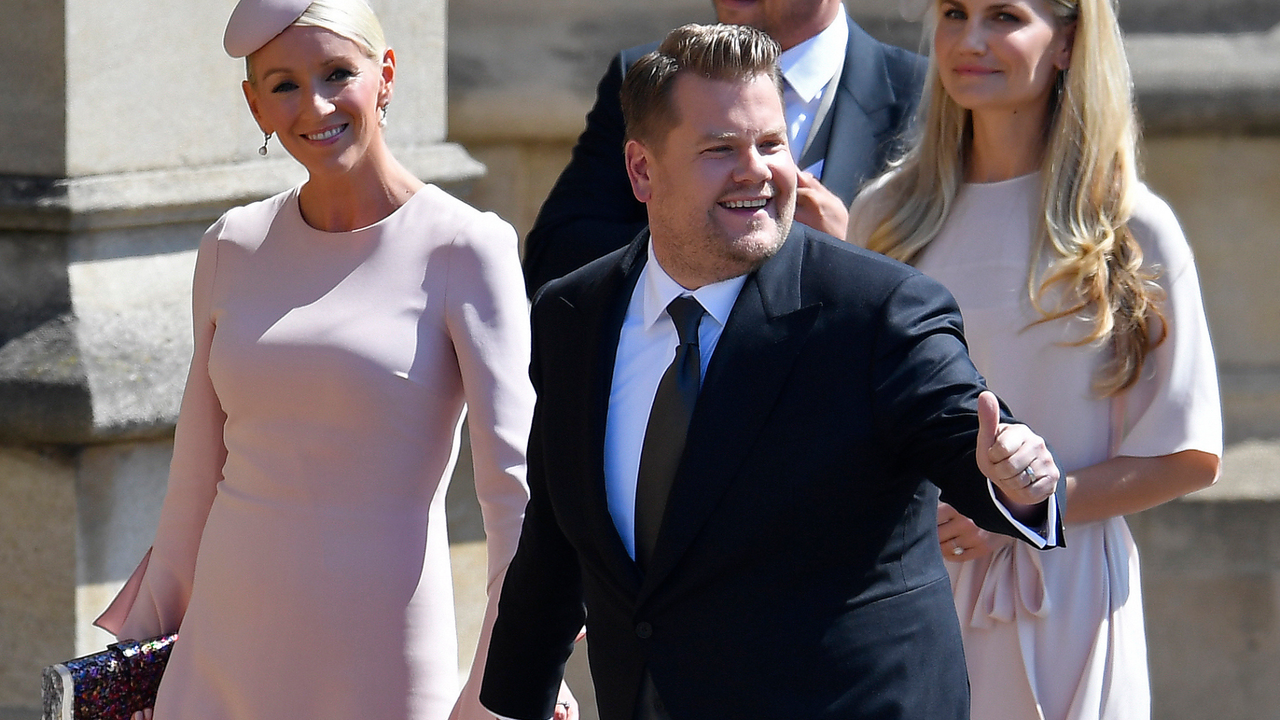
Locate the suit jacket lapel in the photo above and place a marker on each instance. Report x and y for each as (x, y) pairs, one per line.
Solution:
(764, 334)
(600, 310)
(815, 146)
(848, 135)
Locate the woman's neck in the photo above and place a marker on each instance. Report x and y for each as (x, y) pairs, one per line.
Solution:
(359, 197)
(1005, 145)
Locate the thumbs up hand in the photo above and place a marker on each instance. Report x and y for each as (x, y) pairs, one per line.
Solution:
(1013, 457)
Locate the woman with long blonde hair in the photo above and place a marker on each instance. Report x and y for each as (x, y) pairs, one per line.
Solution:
(1082, 308)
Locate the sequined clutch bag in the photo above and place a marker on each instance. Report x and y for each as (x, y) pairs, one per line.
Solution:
(110, 685)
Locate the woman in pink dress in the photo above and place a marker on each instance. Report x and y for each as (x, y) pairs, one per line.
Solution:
(1082, 309)
(340, 328)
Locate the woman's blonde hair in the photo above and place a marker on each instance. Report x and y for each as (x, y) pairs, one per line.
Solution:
(1090, 179)
(351, 19)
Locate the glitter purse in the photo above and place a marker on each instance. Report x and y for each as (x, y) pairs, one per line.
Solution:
(110, 685)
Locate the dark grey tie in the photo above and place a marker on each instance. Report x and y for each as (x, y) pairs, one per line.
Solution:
(668, 424)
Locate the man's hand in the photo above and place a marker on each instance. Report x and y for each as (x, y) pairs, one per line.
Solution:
(818, 207)
(1013, 457)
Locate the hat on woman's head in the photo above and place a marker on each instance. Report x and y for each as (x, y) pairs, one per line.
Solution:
(254, 22)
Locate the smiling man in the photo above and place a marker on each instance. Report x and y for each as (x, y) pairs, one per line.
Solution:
(748, 529)
(847, 101)
(715, 175)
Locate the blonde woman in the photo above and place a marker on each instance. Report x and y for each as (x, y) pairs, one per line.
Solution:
(340, 327)
(1082, 308)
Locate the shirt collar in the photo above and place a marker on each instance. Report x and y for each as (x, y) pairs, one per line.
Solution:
(659, 290)
(809, 66)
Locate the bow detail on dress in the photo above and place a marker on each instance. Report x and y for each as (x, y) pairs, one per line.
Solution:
(1005, 585)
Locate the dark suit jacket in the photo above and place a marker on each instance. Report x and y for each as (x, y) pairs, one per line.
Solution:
(797, 572)
(591, 210)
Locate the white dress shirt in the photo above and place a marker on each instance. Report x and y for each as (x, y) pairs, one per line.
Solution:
(808, 69)
(646, 347)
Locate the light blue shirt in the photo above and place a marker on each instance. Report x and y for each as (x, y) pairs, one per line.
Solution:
(808, 69)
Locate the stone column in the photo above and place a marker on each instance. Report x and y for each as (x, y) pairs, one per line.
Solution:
(126, 136)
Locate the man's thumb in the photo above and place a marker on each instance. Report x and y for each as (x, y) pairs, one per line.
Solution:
(988, 420)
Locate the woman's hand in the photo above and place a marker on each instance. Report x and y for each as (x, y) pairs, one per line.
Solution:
(818, 207)
(566, 704)
(961, 539)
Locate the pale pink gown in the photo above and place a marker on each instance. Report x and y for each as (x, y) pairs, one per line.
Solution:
(302, 546)
(1059, 635)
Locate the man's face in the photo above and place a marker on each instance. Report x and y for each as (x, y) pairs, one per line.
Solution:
(789, 22)
(720, 187)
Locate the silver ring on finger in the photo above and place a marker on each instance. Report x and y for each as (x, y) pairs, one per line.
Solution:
(1029, 474)
(956, 549)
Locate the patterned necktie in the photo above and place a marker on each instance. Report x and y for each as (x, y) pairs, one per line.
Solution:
(668, 424)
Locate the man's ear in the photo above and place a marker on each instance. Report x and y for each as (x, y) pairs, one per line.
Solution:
(637, 157)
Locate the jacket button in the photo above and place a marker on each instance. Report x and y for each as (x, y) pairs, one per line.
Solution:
(644, 631)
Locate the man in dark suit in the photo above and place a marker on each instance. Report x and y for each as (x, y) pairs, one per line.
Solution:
(764, 546)
(849, 100)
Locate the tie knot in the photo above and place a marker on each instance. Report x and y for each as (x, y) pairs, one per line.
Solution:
(686, 312)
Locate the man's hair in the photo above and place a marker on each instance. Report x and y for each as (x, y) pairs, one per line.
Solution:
(715, 52)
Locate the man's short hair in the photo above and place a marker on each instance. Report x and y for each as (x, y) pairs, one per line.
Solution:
(715, 52)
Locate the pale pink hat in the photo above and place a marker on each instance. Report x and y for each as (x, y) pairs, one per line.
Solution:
(254, 22)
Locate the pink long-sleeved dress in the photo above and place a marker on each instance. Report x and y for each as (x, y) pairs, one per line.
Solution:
(301, 548)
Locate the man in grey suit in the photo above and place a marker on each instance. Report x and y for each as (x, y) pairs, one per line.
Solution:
(848, 99)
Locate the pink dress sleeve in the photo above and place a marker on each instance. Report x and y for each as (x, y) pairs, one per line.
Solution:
(488, 319)
(154, 599)
(1176, 405)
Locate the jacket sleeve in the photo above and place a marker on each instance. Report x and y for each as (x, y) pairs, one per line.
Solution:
(541, 610)
(926, 391)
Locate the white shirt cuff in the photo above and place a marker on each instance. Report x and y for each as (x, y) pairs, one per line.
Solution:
(1051, 522)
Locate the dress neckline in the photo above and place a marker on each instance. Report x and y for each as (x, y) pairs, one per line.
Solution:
(295, 211)
(1015, 181)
